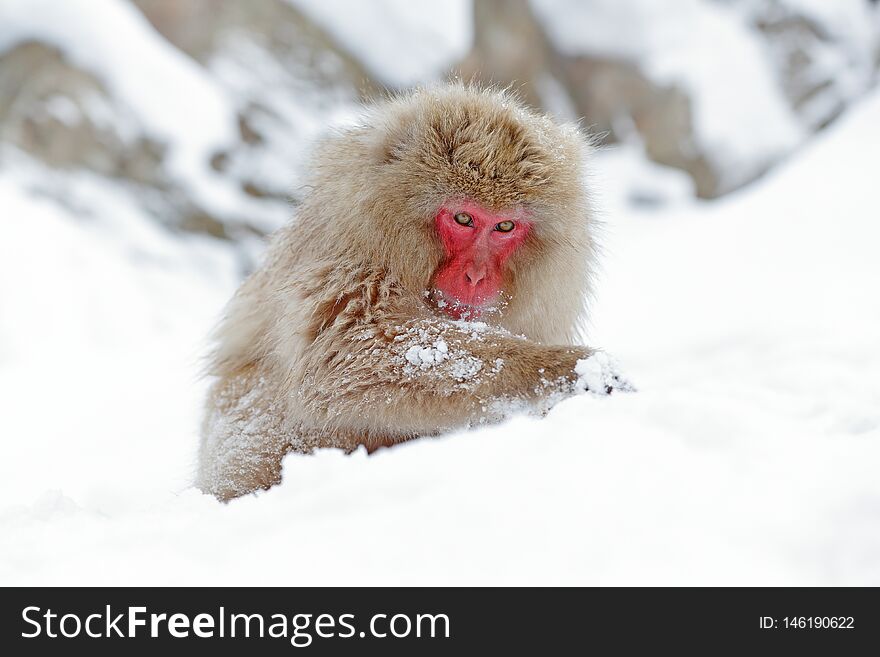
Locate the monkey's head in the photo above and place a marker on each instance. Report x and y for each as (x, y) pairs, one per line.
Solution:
(466, 198)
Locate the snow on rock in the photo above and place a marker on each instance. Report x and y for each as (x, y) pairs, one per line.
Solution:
(854, 26)
(172, 99)
(400, 41)
(824, 53)
(741, 121)
(155, 80)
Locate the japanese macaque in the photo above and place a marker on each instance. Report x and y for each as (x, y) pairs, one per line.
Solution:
(434, 278)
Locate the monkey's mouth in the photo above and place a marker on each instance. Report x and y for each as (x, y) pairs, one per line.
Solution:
(463, 310)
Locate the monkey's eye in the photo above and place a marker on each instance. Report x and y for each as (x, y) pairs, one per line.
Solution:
(464, 219)
(505, 226)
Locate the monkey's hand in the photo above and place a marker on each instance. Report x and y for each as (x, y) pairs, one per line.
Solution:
(599, 374)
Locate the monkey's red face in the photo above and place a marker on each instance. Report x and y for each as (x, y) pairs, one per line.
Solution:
(477, 244)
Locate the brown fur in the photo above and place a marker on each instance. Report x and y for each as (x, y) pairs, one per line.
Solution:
(312, 351)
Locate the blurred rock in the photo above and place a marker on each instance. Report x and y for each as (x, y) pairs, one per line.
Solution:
(604, 90)
(822, 59)
(64, 117)
(282, 69)
(201, 28)
(284, 77)
(510, 48)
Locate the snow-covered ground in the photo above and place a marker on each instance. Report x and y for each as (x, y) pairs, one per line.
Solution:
(749, 455)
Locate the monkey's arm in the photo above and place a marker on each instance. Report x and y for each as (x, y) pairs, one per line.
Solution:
(430, 375)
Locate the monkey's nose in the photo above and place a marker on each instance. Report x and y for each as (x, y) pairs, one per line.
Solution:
(473, 275)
